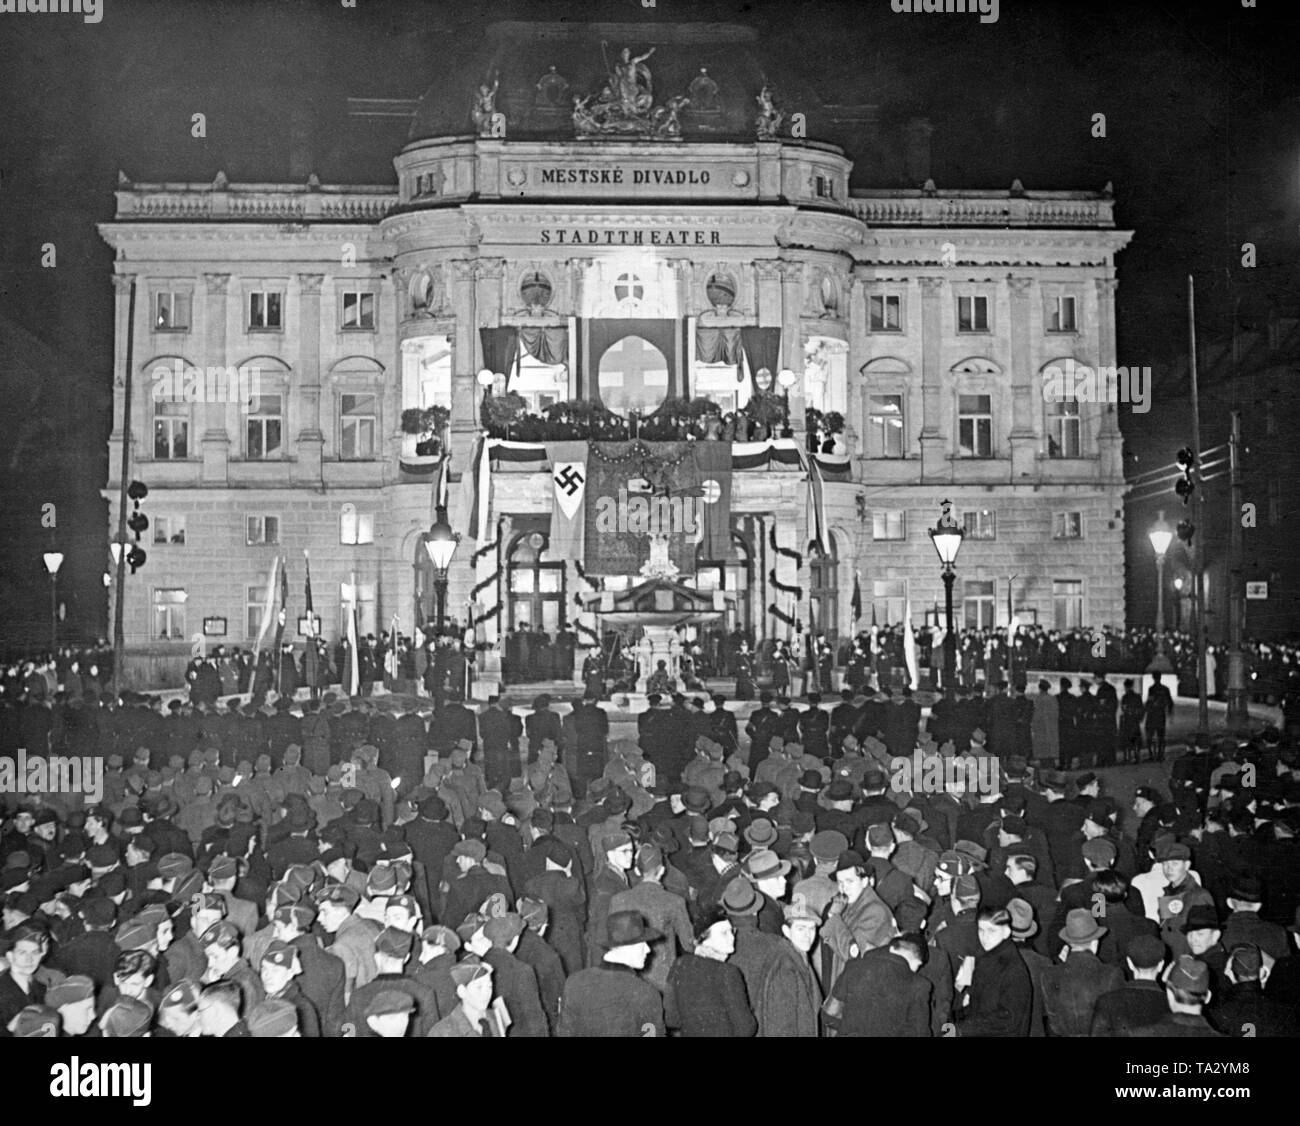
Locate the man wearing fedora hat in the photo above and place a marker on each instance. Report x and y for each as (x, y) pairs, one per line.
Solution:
(1024, 926)
(666, 913)
(612, 998)
(1071, 989)
(769, 874)
(857, 919)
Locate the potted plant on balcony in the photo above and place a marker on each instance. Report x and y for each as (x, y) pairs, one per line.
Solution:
(504, 411)
(767, 411)
(429, 425)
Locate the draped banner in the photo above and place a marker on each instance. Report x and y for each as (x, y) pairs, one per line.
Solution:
(762, 348)
(500, 350)
(569, 494)
(713, 463)
(636, 492)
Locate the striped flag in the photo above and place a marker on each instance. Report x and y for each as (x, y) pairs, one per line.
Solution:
(390, 659)
(354, 663)
(268, 607)
(821, 534)
(309, 656)
(280, 621)
(856, 603)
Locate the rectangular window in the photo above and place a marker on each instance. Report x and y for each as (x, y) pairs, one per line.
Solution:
(169, 530)
(979, 524)
(265, 427)
(972, 314)
(356, 527)
(171, 430)
(1065, 430)
(885, 426)
(265, 309)
(977, 604)
(888, 599)
(1062, 315)
(886, 312)
(169, 614)
(825, 187)
(358, 310)
(975, 425)
(255, 602)
(365, 608)
(1067, 603)
(263, 529)
(357, 421)
(1067, 526)
(171, 312)
(889, 524)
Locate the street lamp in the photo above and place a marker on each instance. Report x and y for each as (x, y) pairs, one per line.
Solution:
(1161, 536)
(786, 379)
(1178, 604)
(947, 536)
(53, 561)
(441, 542)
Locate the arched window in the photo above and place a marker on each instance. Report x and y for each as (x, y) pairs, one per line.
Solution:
(535, 585)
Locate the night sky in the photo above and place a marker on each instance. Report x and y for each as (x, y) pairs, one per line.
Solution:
(1202, 146)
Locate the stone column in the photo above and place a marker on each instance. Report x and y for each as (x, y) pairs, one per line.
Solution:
(466, 357)
(683, 277)
(1109, 439)
(218, 418)
(794, 275)
(859, 354)
(141, 424)
(935, 427)
(1023, 439)
(311, 439)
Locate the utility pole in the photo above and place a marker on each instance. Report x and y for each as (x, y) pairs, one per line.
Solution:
(1198, 550)
(119, 634)
(1238, 714)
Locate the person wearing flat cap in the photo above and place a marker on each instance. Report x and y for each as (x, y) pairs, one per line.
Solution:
(1180, 894)
(857, 919)
(274, 1018)
(1071, 988)
(473, 885)
(387, 1014)
(786, 996)
(1187, 990)
(514, 980)
(666, 913)
(613, 999)
(393, 949)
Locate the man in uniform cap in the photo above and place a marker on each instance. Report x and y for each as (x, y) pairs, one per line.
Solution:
(278, 970)
(221, 879)
(433, 964)
(35, 1021)
(474, 1014)
(128, 1016)
(388, 1014)
(534, 951)
(612, 999)
(354, 938)
(1241, 1005)
(514, 981)
(74, 1000)
(323, 977)
(473, 884)
(820, 888)
(393, 950)
(221, 944)
(178, 1011)
(1187, 990)
(274, 1018)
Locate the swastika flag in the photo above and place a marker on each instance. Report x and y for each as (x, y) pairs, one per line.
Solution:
(569, 491)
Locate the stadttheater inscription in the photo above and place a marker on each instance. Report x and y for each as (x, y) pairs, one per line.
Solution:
(589, 236)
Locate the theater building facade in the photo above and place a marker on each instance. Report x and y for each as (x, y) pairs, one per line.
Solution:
(620, 230)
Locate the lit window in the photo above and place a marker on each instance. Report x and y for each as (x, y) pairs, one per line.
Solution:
(358, 310)
(889, 524)
(1067, 526)
(169, 614)
(628, 287)
(265, 309)
(888, 601)
(255, 606)
(1064, 430)
(977, 604)
(171, 430)
(972, 314)
(979, 524)
(1067, 603)
(171, 312)
(356, 527)
(169, 530)
(265, 426)
(975, 425)
(885, 426)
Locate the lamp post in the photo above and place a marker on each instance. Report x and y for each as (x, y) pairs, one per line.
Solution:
(441, 543)
(53, 561)
(1178, 604)
(947, 536)
(1161, 536)
(786, 379)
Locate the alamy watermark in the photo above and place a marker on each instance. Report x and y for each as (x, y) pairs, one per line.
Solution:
(91, 11)
(988, 9)
(181, 383)
(1079, 383)
(57, 774)
(933, 773)
(639, 515)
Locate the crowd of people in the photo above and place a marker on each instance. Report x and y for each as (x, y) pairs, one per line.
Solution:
(400, 867)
